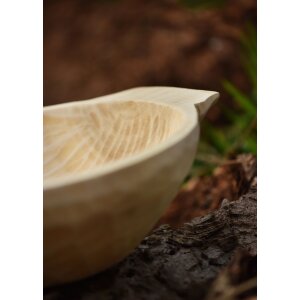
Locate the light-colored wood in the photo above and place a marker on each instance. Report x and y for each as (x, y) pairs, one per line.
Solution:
(111, 166)
(79, 139)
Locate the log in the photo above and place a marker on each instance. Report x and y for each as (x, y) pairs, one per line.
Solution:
(175, 264)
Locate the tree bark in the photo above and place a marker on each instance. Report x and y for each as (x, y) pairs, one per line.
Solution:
(176, 264)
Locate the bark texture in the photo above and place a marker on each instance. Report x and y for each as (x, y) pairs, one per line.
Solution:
(184, 263)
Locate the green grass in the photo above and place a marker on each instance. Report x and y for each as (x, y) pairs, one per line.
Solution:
(218, 143)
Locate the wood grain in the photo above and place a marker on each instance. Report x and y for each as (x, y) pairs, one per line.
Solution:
(111, 167)
(81, 138)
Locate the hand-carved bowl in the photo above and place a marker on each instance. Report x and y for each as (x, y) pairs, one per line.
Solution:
(111, 167)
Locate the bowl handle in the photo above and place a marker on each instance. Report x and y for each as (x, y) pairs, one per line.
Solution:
(201, 99)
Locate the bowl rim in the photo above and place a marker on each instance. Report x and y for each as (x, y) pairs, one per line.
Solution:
(189, 122)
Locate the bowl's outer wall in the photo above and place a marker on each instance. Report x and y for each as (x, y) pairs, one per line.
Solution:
(99, 222)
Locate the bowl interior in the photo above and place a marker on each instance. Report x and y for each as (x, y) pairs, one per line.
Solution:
(81, 138)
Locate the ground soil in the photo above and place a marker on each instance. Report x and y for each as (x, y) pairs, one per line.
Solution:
(202, 195)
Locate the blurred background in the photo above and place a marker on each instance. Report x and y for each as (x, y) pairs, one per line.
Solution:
(97, 47)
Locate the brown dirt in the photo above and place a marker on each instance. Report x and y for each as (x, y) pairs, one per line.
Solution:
(202, 195)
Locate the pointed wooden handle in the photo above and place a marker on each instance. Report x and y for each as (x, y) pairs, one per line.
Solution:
(171, 95)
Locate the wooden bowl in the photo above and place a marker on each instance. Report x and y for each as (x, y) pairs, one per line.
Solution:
(111, 167)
